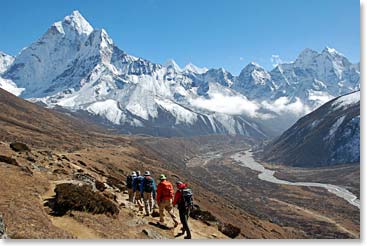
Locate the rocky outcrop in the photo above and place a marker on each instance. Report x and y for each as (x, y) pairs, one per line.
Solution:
(80, 198)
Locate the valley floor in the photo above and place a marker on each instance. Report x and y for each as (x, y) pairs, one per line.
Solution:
(312, 212)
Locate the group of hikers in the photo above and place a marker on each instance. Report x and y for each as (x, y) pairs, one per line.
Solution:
(143, 189)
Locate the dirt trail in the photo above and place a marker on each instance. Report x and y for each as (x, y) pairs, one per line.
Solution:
(198, 229)
(66, 223)
(316, 216)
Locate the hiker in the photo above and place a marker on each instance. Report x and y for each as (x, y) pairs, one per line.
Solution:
(184, 202)
(129, 185)
(136, 190)
(148, 189)
(164, 199)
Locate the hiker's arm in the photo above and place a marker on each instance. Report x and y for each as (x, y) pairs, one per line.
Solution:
(158, 195)
(154, 189)
(177, 198)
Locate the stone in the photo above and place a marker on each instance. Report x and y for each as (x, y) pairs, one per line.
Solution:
(152, 234)
(19, 147)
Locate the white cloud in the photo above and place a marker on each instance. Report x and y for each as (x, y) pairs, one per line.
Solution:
(283, 106)
(241, 58)
(240, 105)
(233, 105)
(275, 60)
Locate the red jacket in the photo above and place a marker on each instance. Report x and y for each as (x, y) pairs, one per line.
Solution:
(164, 191)
(178, 194)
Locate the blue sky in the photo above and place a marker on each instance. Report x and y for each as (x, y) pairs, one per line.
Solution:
(211, 33)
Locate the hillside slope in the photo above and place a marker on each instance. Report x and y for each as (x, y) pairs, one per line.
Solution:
(63, 151)
(330, 135)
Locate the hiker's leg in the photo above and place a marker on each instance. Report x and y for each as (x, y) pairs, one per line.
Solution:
(181, 213)
(131, 195)
(134, 197)
(161, 212)
(186, 218)
(169, 209)
(150, 201)
(146, 202)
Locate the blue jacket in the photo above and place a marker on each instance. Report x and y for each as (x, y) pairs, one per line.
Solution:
(154, 187)
(135, 188)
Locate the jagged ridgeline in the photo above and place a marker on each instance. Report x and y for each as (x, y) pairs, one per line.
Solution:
(78, 68)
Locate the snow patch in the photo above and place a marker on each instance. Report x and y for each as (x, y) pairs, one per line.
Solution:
(347, 100)
(180, 113)
(10, 86)
(108, 109)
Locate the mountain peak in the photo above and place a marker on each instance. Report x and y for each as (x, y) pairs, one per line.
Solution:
(172, 63)
(330, 50)
(78, 22)
(251, 67)
(195, 69)
(103, 35)
(306, 57)
(254, 64)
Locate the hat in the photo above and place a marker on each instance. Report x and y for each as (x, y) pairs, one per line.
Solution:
(178, 182)
(138, 173)
(133, 174)
(147, 173)
(162, 177)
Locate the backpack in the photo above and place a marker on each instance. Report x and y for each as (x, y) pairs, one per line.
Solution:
(138, 181)
(187, 200)
(148, 185)
(129, 182)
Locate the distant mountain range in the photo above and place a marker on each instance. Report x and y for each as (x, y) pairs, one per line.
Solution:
(79, 68)
(329, 135)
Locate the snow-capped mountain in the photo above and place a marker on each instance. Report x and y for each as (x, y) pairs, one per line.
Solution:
(316, 77)
(79, 68)
(88, 73)
(255, 82)
(191, 68)
(5, 61)
(327, 136)
(8, 85)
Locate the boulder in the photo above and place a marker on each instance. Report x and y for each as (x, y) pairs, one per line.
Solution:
(8, 160)
(229, 230)
(80, 198)
(202, 215)
(100, 186)
(19, 147)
